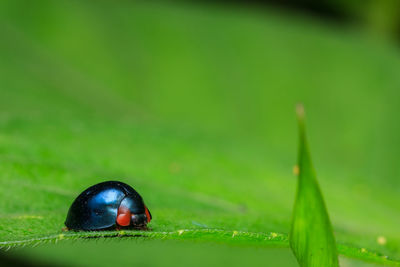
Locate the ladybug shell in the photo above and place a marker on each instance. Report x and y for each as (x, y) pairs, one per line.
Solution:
(96, 208)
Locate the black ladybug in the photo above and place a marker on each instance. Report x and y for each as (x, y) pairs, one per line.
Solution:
(108, 205)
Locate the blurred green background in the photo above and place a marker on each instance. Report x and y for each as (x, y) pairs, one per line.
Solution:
(193, 105)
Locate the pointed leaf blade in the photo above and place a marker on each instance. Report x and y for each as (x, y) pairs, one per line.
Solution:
(311, 237)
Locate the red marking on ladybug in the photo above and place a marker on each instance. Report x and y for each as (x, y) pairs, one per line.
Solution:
(148, 215)
(124, 216)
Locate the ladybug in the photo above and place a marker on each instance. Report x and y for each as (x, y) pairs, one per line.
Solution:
(108, 205)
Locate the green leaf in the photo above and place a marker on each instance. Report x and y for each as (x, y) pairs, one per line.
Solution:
(311, 237)
(166, 97)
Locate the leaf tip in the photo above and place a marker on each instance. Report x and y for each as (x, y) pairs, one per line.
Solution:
(300, 111)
